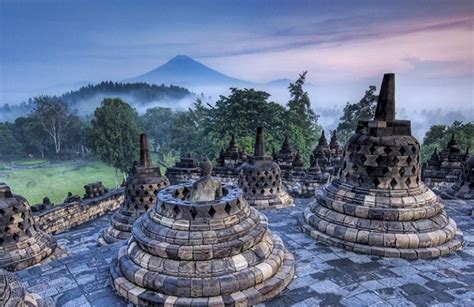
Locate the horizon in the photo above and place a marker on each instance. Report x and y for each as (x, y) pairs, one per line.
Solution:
(51, 46)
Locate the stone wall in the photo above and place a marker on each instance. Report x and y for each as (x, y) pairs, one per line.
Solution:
(65, 216)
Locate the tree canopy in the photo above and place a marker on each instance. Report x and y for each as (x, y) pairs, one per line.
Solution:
(114, 133)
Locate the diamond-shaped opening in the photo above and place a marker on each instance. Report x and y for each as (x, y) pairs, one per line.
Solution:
(409, 159)
(369, 170)
(393, 183)
(372, 149)
(358, 147)
(212, 211)
(387, 150)
(413, 149)
(402, 150)
(379, 160)
(401, 171)
(344, 165)
(360, 180)
(176, 210)
(193, 212)
(413, 169)
(254, 191)
(16, 237)
(271, 191)
(408, 181)
(228, 208)
(385, 170)
(376, 182)
(395, 160)
(363, 158)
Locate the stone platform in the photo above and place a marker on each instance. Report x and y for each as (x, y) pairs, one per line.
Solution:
(324, 275)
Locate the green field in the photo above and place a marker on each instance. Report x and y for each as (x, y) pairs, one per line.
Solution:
(55, 180)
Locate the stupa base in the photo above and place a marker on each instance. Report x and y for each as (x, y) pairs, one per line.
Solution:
(28, 252)
(456, 243)
(281, 200)
(261, 292)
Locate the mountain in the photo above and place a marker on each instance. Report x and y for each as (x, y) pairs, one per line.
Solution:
(183, 70)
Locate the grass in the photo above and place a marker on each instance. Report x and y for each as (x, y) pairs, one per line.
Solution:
(55, 181)
(30, 162)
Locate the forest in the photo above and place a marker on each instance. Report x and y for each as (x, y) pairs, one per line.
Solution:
(53, 130)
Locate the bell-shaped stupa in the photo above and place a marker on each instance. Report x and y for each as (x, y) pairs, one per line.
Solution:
(260, 179)
(142, 185)
(22, 243)
(202, 245)
(12, 293)
(463, 188)
(378, 204)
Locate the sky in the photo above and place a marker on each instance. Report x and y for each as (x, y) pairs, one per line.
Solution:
(344, 45)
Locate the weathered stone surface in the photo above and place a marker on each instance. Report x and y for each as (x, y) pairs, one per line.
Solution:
(443, 169)
(261, 180)
(12, 293)
(142, 185)
(463, 188)
(324, 275)
(184, 252)
(22, 243)
(229, 161)
(186, 170)
(378, 204)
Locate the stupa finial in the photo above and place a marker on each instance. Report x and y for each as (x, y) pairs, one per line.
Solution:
(145, 160)
(386, 102)
(259, 144)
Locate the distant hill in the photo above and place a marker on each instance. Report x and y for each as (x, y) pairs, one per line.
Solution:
(140, 93)
(86, 99)
(183, 70)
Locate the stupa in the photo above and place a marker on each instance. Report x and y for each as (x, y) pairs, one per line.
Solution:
(443, 169)
(378, 205)
(12, 293)
(229, 161)
(260, 179)
(463, 188)
(141, 188)
(184, 171)
(22, 243)
(285, 156)
(202, 245)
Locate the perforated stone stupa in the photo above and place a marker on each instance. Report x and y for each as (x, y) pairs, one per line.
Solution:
(141, 188)
(463, 188)
(378, 204)
(214, 252)
(260, 179)
(229, 161)
(12, 293)
(443, 169)
(184, 171)
(22, 243)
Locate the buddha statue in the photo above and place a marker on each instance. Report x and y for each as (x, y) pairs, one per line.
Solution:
(206, 188)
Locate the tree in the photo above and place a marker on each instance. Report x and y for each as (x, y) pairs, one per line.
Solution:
(9, 147)
(157, 122)
(438, 136)
(241, 113)
(353, 112)
(54, 117)
(29, 132)
(114, 134)
(302, 121)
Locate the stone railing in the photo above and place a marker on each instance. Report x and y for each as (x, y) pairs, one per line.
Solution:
(65, 216)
